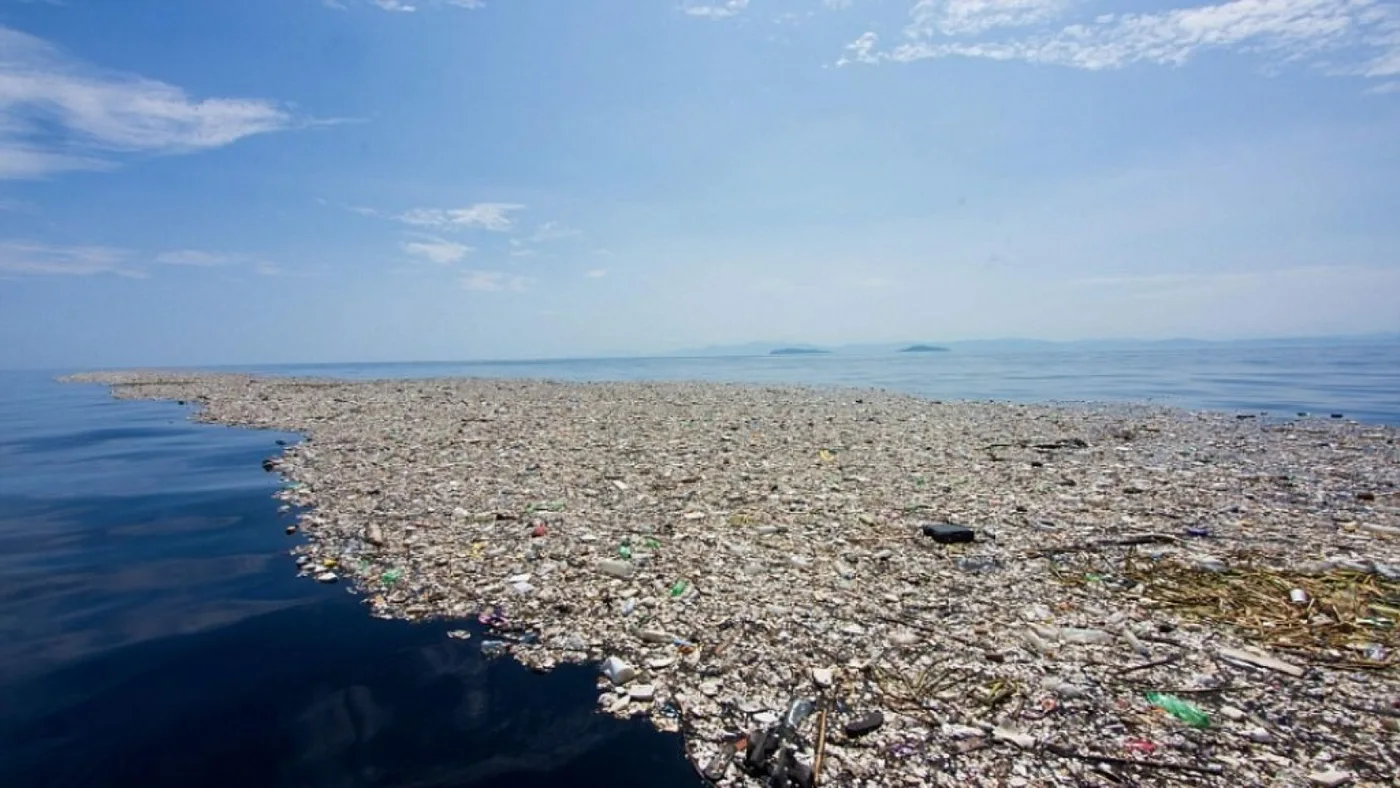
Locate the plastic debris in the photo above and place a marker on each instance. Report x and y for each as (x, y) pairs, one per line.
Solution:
(618, 569)
(1085, 637)
(1331, 779)
(1183, 710)
(945, 533)
(617, 671)
(865, 724)
(1261, 661)
(805, 563)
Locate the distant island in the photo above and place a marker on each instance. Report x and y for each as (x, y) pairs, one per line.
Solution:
(923, 349)
(797, 351)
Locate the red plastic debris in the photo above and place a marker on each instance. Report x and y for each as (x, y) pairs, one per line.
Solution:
(1140, 745)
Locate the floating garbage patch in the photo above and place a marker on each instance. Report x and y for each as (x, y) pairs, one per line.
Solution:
(841, 587)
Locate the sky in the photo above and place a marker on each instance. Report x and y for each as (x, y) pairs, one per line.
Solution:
(270, 181)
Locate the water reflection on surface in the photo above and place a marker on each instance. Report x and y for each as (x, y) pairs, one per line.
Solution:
(152, 633)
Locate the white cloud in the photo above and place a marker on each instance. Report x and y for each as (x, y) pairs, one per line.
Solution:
(553, 231)
(59, 114)
(961, 17)
(437, 250)
(485, 216)
(1359, 37)
(198, 258)
(22, 258)
(597, 273)
(401, 6)
(862, 50)
(1384, 87)
(838, 5)
(494, 281)
(718, 10)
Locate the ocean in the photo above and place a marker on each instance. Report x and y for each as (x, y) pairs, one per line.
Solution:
(153, 632)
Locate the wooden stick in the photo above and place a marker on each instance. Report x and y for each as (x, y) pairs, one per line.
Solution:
(821, 746)
(1066, 752)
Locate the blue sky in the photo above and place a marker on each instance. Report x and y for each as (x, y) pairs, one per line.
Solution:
(311, 180)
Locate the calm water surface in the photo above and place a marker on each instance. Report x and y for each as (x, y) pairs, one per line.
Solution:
(1361, 381)
(152, 632)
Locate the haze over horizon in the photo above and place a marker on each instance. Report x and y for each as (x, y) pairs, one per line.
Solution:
(324, 180)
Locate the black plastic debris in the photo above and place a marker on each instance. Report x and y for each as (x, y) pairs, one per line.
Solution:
(719, 765)
(269, 465)
(788, 772)
(944, 533)
(763, 744)
(862, 725)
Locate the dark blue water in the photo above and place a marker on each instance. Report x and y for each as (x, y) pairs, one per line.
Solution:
(152, 631)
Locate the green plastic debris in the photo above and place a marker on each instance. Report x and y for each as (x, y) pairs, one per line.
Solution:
(678, 588)
(625, 551)
(1183, 710)
(651, 544)
(391, 577)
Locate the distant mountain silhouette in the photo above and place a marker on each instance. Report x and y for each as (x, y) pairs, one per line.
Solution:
(923, 349)
(798, 351)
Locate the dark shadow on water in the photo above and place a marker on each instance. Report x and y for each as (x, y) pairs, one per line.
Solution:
(321, 695)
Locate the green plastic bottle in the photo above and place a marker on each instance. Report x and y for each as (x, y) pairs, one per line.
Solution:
(1183, 710)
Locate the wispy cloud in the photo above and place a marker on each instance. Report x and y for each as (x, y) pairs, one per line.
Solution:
(597, 273)
(1357, 37)
(493, 216)
(494, 281)
(437, 250)
(403, 6)
(198, 258)
(22, 258)
(1218, 282)
(716, 10)
(553, 231)
(59, 114)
